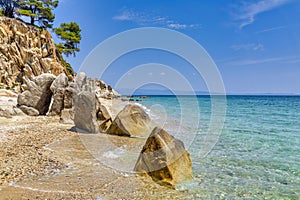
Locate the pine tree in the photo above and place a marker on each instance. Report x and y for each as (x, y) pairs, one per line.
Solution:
(70, 34)
(9, 7)
(39, 11)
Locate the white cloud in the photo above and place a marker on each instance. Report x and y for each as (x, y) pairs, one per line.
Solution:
(271, 29)
(291, 60)
(254, 47)
(125, 16)
(248, 11)
(162, 73)
(150, 20)
(181, 26)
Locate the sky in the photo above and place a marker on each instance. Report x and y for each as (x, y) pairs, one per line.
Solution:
(255, 44)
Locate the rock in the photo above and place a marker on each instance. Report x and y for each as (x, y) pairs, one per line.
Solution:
(58, 88)
(7, 93)
(8, 106)
(103, 113)
(29, 110)
(58, 102)
(80, 80)
(67, 116)
(104, 125)
(68, 98)
(105, 91)
(5, 113)
(38, 93)
(26, 52)
(165, 159)
(61, 81)
(131, 121)
(104, 118)
(85, 110)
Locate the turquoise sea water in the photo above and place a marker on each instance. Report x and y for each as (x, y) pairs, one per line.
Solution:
(257, 155)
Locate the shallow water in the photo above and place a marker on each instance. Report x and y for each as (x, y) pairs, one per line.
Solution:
(256, 155)
(258, 151)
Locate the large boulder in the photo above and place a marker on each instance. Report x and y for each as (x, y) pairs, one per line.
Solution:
(38, 93)
(58, 89)
(61, 81)
(132, 121)
(164, 159)
(85, 111)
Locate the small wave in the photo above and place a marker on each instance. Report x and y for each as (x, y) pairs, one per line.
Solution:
(147, 110)
(110, 154)
(115, 153)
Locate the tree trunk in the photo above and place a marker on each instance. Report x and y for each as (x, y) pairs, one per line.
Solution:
(32, 20)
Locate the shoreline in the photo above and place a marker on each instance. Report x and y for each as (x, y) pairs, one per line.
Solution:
(51, 152)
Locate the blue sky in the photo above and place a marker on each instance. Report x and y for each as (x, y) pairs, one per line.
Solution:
(255, 43)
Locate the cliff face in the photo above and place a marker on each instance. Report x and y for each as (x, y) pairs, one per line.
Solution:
(26, 52)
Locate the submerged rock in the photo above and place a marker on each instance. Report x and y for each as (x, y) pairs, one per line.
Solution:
(38, 93)
(131, 121)
(164, 159)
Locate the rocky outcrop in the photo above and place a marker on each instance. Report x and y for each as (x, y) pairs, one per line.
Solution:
(38, 95)
(36, 99)
(105, 91)
(26, 52)
(132, 121)
(165, 159)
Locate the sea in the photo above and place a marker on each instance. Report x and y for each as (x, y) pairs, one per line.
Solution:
(242, 147)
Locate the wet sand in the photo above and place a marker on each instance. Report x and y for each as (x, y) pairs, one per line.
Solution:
(47, 160)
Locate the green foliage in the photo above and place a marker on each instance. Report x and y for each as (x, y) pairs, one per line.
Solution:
(70, 34)
(39, 11)
(68, 67)
(8, 7)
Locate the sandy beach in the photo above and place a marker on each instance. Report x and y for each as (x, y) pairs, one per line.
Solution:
(43, 159)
